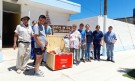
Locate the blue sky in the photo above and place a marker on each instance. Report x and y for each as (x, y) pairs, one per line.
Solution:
(116, 8)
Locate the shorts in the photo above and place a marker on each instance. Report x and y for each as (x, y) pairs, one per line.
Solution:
(39, 51)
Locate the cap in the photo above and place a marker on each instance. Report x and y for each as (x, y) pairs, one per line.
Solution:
(25, 17)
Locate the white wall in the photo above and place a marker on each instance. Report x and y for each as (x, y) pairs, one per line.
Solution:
(125, 32)
(57, 18)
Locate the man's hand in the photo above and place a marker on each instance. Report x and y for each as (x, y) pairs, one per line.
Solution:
(46, 43)
(101, 43)
(42, 48)
(84, 45)
(14, 46)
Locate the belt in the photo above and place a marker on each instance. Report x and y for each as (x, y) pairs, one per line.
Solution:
(22, 42)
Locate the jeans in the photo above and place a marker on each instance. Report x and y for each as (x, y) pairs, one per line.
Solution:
(32, 56)
(109, 48)
(87, 51)
(82, 50)
(76, 54)
(97, 51)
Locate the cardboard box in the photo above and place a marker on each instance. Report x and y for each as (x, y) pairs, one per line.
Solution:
(58, 61)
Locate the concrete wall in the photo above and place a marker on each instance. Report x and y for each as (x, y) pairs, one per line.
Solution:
(57, 18)
(124, 31)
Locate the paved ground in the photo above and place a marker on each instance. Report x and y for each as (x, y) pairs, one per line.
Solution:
(91, 71)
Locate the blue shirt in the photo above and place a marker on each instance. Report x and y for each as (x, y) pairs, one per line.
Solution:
(48, 30)
(110, 37)
(89, 36)
(97, 36)
(83, 35)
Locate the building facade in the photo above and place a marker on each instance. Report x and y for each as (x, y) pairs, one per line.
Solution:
(11, 11)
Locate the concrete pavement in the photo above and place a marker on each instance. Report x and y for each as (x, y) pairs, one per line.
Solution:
(90, 71)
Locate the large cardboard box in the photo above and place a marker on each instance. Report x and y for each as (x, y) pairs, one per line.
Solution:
(58, 61)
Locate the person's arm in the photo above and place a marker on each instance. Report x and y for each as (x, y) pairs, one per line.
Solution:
(101, 42)
(16, 36)
(80, 40)
(15, 40)
(50, 32)
(91, 38)
(32, 32)
(85, 40)
(105, 38)
(115, 39)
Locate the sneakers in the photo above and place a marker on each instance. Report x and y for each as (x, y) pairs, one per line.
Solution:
(19, 71)
(39, 74)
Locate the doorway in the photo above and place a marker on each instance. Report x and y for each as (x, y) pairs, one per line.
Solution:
(11, 18)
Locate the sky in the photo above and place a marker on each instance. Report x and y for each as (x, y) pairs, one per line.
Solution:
(116, 8)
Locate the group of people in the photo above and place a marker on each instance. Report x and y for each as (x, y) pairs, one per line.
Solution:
(32, 40)
(81, 41)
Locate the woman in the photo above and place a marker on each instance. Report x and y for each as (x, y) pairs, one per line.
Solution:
(88, 42)
(97, 42)
(75, 42)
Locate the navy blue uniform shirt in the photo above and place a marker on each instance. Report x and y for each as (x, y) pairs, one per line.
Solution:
(97, 37)
(89, 36)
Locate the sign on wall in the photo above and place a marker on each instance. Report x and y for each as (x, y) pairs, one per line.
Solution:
(60, 28)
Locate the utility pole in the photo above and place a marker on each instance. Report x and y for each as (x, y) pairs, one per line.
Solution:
(100, 7)
(105, 6)
(105, 23)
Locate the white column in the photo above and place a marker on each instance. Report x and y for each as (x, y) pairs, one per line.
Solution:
(104, 31)
(1, 19)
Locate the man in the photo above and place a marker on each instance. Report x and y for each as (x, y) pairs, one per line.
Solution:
(110, 39)
(83, 39)
(48, 29)
(24, 33)
(40, 43)
(97, 42)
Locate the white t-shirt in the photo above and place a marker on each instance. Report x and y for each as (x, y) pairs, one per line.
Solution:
(74, 39)
(24, 33)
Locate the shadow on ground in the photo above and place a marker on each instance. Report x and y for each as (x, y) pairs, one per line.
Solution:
(124, 70)
(130, 73)
(13, 68)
